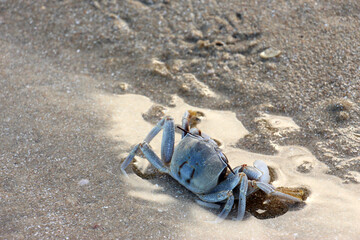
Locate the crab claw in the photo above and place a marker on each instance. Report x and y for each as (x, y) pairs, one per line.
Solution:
(259, 172)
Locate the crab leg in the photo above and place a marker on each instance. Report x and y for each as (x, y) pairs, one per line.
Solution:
(155, 130)
(270, 189)
(168, 140)
(259, 172)
(128, 159)
(221, 191)
(153, 158)
(167, 146)
(227, 208)
(261, 178)
(242, 196)
(206, 204)
(185, 123)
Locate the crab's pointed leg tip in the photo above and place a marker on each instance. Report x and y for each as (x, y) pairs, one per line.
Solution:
(124, 173)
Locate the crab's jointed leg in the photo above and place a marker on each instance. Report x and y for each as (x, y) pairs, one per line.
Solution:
(270, 189)
(224, 192)
(168, 140)
(260, 178)
(206, 204)
(167, 146)
(153, 158)
(220, 192)
(242, 196)
(185, 123)
(129, 158)
(227, 208)
(259, 172)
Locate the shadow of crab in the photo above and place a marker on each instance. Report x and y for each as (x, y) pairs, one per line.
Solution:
(263, 206)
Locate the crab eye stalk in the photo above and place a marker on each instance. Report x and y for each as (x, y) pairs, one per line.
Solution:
(226, 161)
(229, 168)
(183, 130)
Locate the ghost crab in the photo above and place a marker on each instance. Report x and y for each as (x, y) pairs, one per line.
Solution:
(199, 165)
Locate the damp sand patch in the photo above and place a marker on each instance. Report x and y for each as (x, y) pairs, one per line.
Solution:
(331, 211)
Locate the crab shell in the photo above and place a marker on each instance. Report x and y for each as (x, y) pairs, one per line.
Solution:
(197, 165)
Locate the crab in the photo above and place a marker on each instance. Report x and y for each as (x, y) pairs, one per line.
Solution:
(199, 165)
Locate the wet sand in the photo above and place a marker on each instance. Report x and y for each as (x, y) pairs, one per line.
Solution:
(77, 81)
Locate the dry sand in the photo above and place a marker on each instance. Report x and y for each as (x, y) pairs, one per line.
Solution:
(77, 80)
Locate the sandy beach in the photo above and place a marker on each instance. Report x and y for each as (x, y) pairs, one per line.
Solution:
(82, 82)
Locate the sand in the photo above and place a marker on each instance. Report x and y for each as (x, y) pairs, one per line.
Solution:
(79, 81)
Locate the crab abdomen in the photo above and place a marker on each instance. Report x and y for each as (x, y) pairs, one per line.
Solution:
(196, 165)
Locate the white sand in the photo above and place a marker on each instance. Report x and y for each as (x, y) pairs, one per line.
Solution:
(331, 211)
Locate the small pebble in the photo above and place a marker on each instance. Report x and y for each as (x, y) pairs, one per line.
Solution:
(189, 84)
(159, 67)
(194, 35)
(121, 25)
(203, 44)
(154, 114)
(270, 53)
(270, 66)
(83, 182)
(71, 200)
(226, 56)
(343, 116)
(241, 58)
(176, 65)
(254, 43)
(121, 86)
(172, 102)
